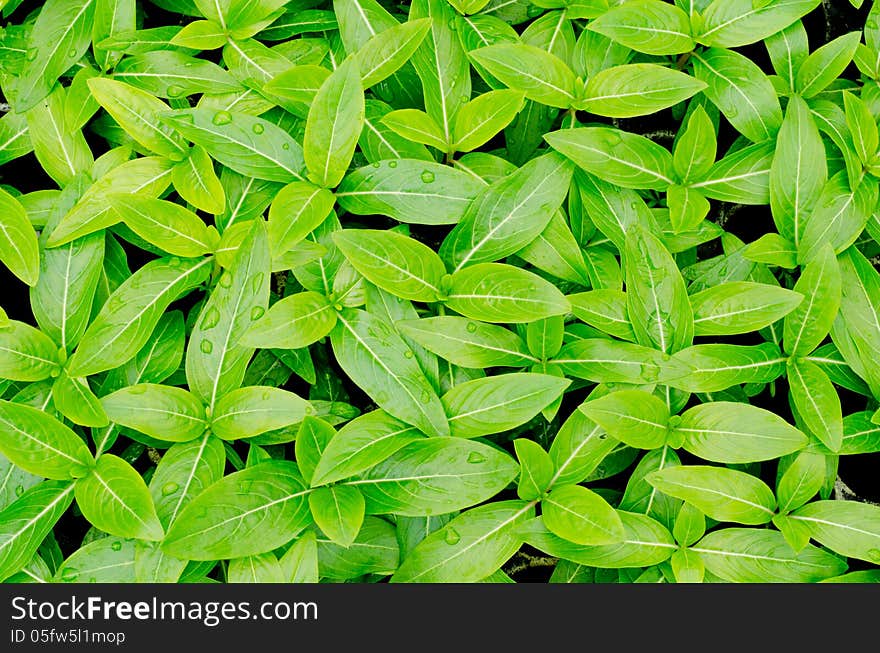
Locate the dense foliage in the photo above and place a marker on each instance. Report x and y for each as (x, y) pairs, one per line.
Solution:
(449, 290)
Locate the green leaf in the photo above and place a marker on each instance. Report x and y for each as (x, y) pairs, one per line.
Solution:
(138, 112)
(496, 292)
(247, 412)
(808, 324)
(656, 297)
(816, 402)
(862, 127)
(695, 149)
(115, 499)
(60, 36)
(801, 481)
(634, 417)
(245, 513)
(637, 90)
(604, 309)
(298, 208)
(335, 120)
(578, 449)
(374, 551)
(40, 444)
(539, 75)
(375, 357)
(826, 64)
(173, 74)
(850, 528)
(417, 126)
(105, 560)
(167, 225)
(740, 307)
(300, 563)
(251, 146)
(499, 403)
(60, 148)
(509, 214)
(387, 51)
(291, 323)
(19, 250)
(716, 367)
(536, 469)
(731, 23)
(690, 525)
(579, 515)
(741, 91)
(361, 444)
(470, 547)
(722, 494)
(750, 555)
(772, 249)
(401, 265)
(75, 400)
(200, 35)
(25, 523)
(648, 26)
(313, 437)
(435, 476)
(26, 353)
(728, 432)
(338, 511)
(799, 171)
(610, 361)
(742, 176)
(196, 182)
(215, 359)
(409, 190)
(619, 157)
(130, 314)
(263, 568)
(687, 567)
(483, 117)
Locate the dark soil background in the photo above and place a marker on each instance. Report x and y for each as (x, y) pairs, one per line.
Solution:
(833, 18)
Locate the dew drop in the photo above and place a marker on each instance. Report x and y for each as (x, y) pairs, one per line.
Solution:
(475, 458)
(19, 490)
(428, 177)
(222, 118)
(174, 91)
(206, 346)
(212, 317)
(256, 281)
(72, 54)
(452, 536)
(257, 312)
(69, 574)
(169, 489)
(55, 372)
(226, 280)
(408, 353)
(614, 138)
(116, 546)
(471, 327)
(425, 397)
(377, 165)
(392, 164)
(138, 389)
(285, 146)
(258, 128)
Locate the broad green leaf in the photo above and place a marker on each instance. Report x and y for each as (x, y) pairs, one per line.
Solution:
(619, 157)
(18, 242)
(185, 470)
(825, 65)
(687, 567)
(167, 225)
(536, 469)
(545, 337)
(128, 317)
(716, 367)
(740, 307)
(808, 324)
(74, 399)
(196, 182)
(499, 403)
(60, 148)
(557, 252)
(263, 568)
(470, 547)
(173, 74)
(160, 411)
(610, 361)
(798, 172)
(299, 564)
(690, 525)
(579, 515)
(637, 90)
(215, 359)
(294, 322)
(469, 344)
(245, 513)
(60, 36)
(409, 190)
(750, 555)
(613, 210)
(401, 265)
(604, 309)
(251, 146)
(729, 432)
(648, 26)
(250, 411)
(26, 353)
(115, 499)
(361, 444)
(722, 494)
(40, 444)
(295, 212)
(434, 476)
(25, 523)
(200, 35)
(850, 528)
(386, 52)
(772, 249)
(105, 560)
(539, 75)
(496, 292)
(137, 112)
(15, 139)
(578, 449)
(509, 213)
(334, 124)
(640, 496)
(417, 126)
(801, 481)
(312, 438)
(483, 117)
(731, 23)
(374, 551)
(645, 542)
(656, 297)
(742, 176)
(374, 356)
(634, 417)
(378, 142)
(862, 127)
(696, 147)
(816, 402)
(338, 510)
(741, 91)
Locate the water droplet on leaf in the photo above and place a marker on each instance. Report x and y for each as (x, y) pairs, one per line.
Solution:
(428, 177)
(392, 164)
(70, 574)
(258, 128)
(169, 489)
(476, 458)
(226, 280)
(452, 536)
(471, 327)
(116, 546)
(206, 346)
(285, 146)
(408, 353)
(257, 312)
(174, 90)
(19, 490)
(212, 317)
(222, 118)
